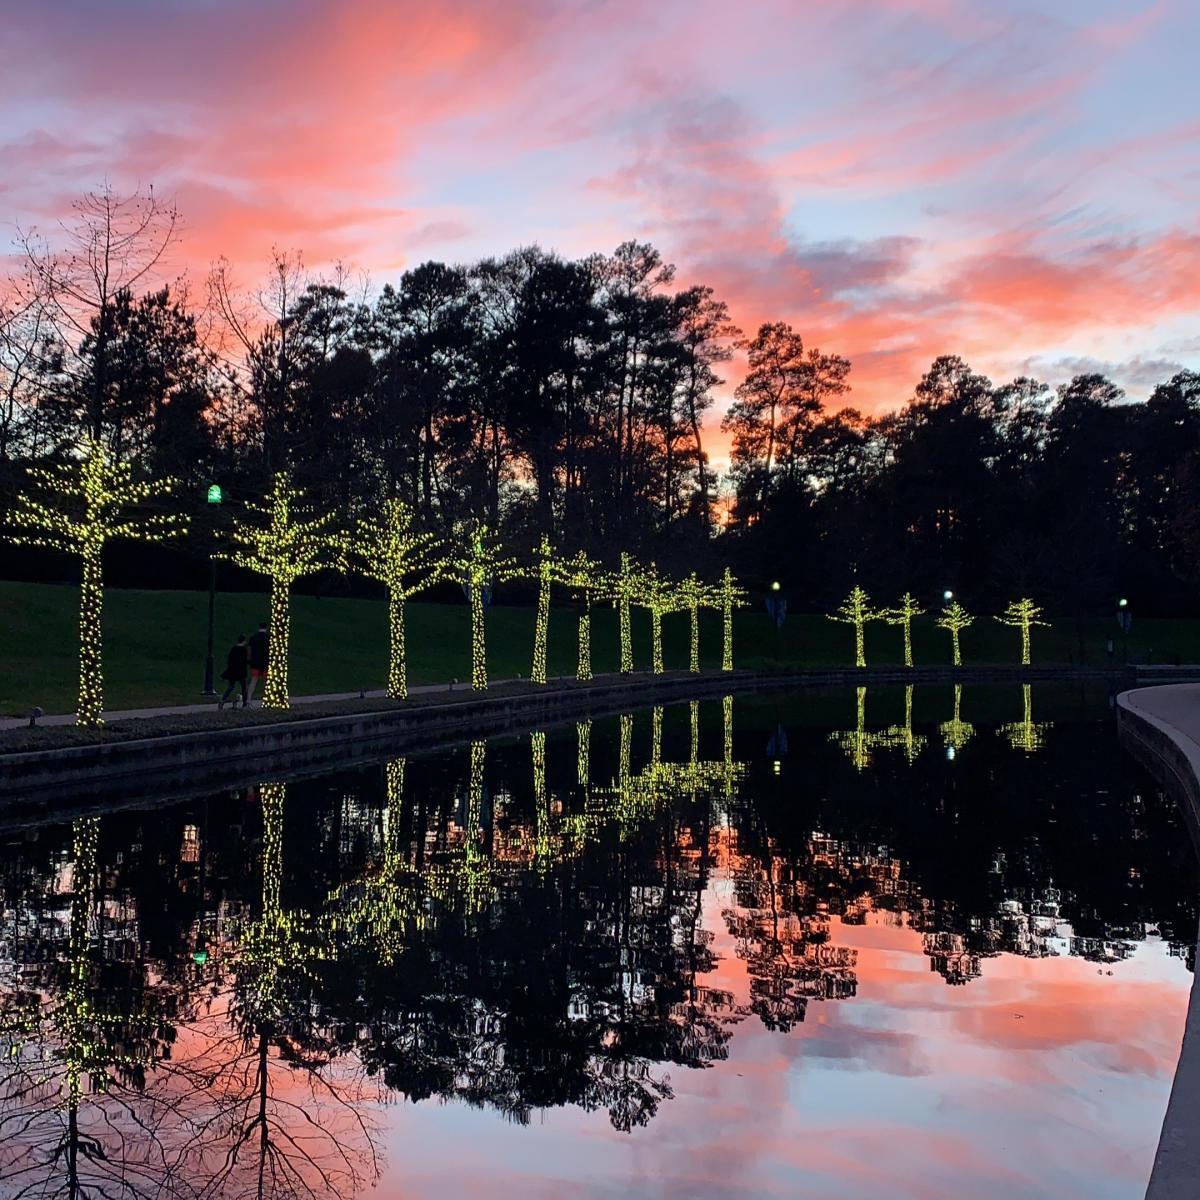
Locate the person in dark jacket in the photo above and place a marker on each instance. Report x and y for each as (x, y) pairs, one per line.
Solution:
(259, 650)
(237, 667)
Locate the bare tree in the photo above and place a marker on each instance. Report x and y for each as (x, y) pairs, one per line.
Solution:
(111, 244)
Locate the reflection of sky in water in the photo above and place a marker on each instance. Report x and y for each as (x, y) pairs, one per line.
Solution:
(1044, 1077)
(481, 924)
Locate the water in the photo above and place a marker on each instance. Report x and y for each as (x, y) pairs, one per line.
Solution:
(831, 944)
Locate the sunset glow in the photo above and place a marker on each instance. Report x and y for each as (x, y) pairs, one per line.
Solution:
(896, 178)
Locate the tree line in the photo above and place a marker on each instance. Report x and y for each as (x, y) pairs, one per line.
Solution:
(568, 398)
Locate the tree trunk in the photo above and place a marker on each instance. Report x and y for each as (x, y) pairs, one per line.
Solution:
(275, 692)
(398, 650)
(90, 706)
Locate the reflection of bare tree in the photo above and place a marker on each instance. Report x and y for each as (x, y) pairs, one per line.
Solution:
(76, 1042)
(280, 1116)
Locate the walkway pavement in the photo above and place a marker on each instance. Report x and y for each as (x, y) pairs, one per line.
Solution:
(1175, 709)
(179, 710)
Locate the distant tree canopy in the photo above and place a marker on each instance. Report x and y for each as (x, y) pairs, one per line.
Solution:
(567, 398)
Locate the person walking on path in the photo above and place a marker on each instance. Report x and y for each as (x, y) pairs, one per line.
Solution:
(237, 666)
(259, 652)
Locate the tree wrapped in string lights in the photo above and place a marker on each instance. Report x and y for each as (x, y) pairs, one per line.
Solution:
(284, 547)
(546, 565)
(623, 586)
(692, 595)
(730, 596)
(856, 610)
(77, 507)
(586, 576)
(902, 615)
(657, 595)
(1022, 614)
(481, 564)
(385, 547)
(955, 618)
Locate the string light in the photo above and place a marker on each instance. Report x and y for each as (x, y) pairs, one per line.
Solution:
(856, 742)
(585, 575)
(622, 589)
(650, 591)
(1022, 614)
(276, 543)
(1025, 734)
(394, 790)
(956, 731)
(731, 596)
(583, 752)
(541, 811)
(623, 762)
(694, 722)
(545, 572)
(903, 735)
(902, 615)
(86, 504)
(387, 548)
(955, 618)
(856, 610)
(656, 730)
(481, 564)
(693, 594)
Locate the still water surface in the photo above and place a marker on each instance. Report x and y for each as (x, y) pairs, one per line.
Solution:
(828, 945)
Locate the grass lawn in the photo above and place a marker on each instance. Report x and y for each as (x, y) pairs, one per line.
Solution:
(154, 643)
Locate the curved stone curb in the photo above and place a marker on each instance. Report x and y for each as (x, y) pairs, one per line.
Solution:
(1160, 727)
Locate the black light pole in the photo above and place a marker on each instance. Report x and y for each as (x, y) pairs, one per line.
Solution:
(214, 497)
(776, 615)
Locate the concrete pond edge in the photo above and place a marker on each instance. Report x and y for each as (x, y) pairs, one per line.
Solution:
(1172, 756)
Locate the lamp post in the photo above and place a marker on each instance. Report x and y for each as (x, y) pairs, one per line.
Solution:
(775, 605)
(1125, 620)
(214, 498)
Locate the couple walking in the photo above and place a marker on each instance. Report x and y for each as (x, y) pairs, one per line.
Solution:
(246, 658)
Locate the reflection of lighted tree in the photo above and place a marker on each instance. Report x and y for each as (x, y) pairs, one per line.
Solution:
(903, 735)
(1026, 734)
(75, 1053)
(956, 732)
(856, 742)
(287, 1119)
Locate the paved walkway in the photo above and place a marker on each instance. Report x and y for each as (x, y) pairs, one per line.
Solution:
(1175, 709)
(179, 710)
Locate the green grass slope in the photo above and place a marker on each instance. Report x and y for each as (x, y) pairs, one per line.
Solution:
(154, 643)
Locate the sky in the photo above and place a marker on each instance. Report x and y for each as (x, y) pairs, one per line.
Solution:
(1014, 182)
